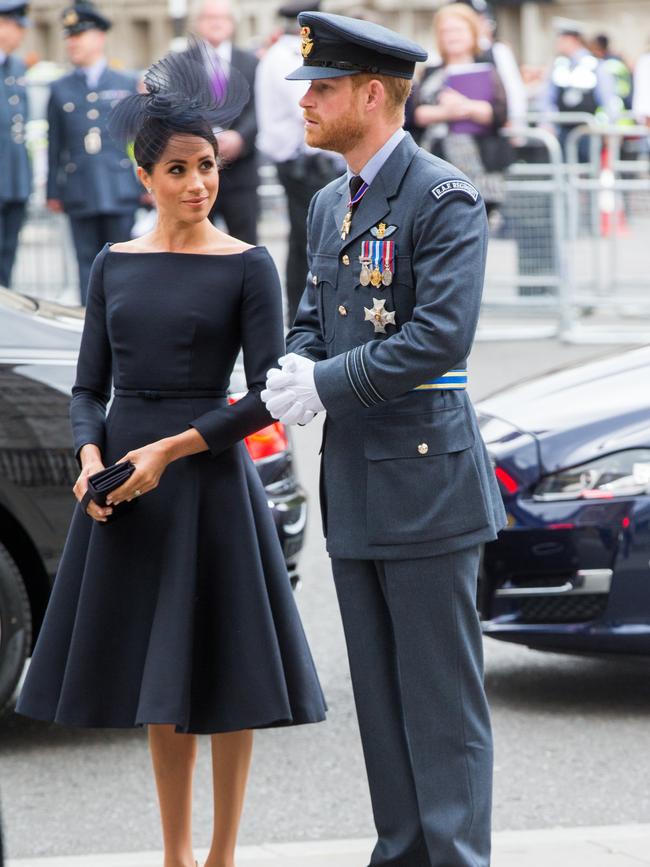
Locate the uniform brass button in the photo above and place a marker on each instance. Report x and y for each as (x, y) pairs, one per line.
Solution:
(423, 448)
(68, 106)
(10, 81)
(314, 280)
(346, 259)
(93, 114)
(343, 310)
(14, 100)
(91, 97)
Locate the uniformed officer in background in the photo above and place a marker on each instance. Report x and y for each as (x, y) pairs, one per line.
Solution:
(397, 253)
(15, 168)
(578, 82)
(302, 170)
(89, 176)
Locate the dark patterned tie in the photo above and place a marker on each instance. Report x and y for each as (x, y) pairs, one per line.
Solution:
(356, 182)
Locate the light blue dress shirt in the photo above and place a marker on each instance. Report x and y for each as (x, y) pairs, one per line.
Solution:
(372, 168)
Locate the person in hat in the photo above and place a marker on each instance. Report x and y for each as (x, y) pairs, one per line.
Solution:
(396, 252)
(302, 170)
(172, 607)
(15, 171)
(578, 82)
(90, 178)
(238, 205)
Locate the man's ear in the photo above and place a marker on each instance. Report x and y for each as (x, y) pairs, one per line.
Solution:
(376, 95)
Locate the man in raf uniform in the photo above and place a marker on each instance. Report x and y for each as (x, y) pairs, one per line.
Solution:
(397, 257)
(15, 169)
(89, 177)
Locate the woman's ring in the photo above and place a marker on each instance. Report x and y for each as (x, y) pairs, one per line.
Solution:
(137, 492)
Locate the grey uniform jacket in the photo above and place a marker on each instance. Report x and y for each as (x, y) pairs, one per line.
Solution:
(87, 170)
(405, 472)
(15, 169)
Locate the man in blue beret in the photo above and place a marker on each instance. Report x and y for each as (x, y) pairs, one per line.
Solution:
(89, 176)
(15, 168)
(396, 255)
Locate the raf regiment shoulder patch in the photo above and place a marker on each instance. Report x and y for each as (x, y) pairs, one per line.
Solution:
(455, 185)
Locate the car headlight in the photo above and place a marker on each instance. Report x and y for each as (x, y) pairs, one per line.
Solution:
(623, 474)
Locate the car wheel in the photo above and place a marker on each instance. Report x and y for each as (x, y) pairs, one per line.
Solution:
(15, 626)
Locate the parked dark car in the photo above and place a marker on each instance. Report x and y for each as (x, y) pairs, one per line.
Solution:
(39, 342)
(572, 455)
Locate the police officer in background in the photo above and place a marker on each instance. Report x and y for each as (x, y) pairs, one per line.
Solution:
(89, 176)
(15, 169)
(578, 82)
(397, 252)
(302, 170)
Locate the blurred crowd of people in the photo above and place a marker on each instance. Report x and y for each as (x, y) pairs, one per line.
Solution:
(460, 102)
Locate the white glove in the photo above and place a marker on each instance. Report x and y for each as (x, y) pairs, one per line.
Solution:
(297, 376)
(297, 414)
(279, 401)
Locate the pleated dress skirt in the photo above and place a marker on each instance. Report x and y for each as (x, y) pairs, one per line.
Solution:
(179, 611)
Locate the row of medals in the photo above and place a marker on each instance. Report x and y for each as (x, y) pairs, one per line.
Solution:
(374, 276)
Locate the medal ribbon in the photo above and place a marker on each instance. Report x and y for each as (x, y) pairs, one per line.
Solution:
(388, 256)
(377, 255)
(363, 189)
(365, 250)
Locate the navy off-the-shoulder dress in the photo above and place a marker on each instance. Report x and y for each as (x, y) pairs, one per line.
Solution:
(180, 611)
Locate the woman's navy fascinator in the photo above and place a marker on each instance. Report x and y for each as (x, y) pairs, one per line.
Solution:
(190, 92)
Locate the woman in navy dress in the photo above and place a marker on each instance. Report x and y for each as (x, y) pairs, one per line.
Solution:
(175, 611)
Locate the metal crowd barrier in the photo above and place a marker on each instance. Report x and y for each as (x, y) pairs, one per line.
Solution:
(569, 259)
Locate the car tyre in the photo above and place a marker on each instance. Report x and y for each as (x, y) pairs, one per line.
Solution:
(15, 626)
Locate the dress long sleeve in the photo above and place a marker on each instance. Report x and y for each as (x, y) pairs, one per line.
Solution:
(92, 388)
(262, 339)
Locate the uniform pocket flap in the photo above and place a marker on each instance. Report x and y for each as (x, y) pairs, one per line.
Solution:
(325, 269)
(418, 436)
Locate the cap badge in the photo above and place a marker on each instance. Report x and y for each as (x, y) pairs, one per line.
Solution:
(71, 18)
(307, 42)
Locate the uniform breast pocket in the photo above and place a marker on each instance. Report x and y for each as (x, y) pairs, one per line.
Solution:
(423, 480)
(324, 276)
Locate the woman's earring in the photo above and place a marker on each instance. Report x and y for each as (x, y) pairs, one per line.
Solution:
(149, 189)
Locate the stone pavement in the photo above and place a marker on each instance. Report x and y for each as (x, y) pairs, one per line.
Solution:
(614, 846)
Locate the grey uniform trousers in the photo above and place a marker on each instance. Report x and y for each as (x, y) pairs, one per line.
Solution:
(416, 660)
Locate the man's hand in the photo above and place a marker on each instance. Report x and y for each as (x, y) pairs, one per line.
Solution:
(231, 145)
(290, 394)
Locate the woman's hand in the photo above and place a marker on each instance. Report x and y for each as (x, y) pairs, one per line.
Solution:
(98, 513)
(455, 105)
(150, 463)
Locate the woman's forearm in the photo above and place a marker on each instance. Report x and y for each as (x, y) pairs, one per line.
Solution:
(90, 454)
(480, 111)
(427, 114)
(190, 442)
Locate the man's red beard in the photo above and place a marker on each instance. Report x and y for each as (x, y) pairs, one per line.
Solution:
(340, 135)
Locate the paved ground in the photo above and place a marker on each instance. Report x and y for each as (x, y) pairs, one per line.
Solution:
(617, 846)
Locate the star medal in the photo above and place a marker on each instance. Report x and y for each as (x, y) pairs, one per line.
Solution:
(388, 258)
(375, 276)
(379, 316)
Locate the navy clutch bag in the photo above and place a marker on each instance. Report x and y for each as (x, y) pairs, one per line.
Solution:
(102, 483)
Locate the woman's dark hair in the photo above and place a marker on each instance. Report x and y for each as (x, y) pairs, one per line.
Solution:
(155, 133)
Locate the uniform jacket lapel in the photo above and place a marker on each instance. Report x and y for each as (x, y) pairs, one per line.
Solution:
(375, 205)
